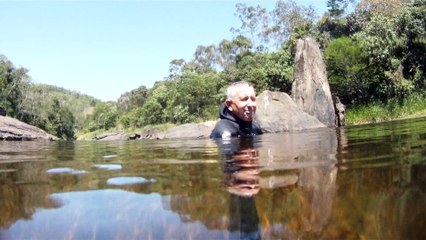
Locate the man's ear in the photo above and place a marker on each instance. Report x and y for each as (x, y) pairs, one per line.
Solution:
(228, 104)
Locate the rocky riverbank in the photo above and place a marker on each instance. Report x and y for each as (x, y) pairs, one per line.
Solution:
(14, 130)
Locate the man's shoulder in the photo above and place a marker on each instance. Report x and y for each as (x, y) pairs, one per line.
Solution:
(256, 128)
(224, 126)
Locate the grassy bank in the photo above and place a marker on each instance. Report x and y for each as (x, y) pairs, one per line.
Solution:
(413, 106)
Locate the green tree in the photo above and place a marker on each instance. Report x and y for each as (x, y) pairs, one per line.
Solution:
(104, 116)
(61, 121)
(267, 71)
(197, 97)
(206, 59)
(384, 7)
(39, 97)
(188, 97)
(13, 84)
(35, 106)
(253, 20)
(133, 99)
(176, 67)
(287, 18)
(347, 69)
(411, 28)
(336, 8)
(383, 44)
(153, 111)
(231, 50)
(273, 28)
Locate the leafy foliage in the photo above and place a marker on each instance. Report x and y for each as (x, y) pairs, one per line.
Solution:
(40, 97)
(267, 71)
(273, 28)
(104, 116)
(133, 99)
(348, 71)
(13, 83)
(336, 8)
(61, 120)
(187, 98)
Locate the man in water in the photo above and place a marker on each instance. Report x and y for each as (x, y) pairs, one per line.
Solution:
(237, 113)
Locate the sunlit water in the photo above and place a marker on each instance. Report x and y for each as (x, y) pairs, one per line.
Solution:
(363, 182)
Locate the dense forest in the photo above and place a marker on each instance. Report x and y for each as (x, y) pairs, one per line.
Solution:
(375, 53)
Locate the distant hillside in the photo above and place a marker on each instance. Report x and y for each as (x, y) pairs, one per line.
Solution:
(41, 96)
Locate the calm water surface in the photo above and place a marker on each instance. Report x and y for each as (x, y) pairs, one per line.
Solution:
(363, 182)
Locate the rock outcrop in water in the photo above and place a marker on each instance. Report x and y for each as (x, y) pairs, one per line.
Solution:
(310, 90)
(276, 112)
(14, 130)
(192, 130)
(340, 112)
(116, 136)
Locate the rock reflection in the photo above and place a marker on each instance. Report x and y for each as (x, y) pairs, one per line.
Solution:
(298, 168)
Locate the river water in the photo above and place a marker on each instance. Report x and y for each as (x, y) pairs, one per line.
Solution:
(361, 182)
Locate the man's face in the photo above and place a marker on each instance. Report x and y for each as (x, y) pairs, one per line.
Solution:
(243, 105)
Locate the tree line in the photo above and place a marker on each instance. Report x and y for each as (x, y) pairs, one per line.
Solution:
(376, 53)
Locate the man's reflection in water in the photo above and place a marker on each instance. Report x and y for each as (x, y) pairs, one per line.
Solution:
(242, 172)
(241, 179)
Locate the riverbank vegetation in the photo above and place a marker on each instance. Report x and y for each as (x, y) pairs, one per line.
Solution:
(409, 107)
(375, 58)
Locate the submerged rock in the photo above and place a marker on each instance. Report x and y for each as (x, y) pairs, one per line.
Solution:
(14, 130)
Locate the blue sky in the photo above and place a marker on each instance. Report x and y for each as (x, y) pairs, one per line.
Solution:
(105, 48)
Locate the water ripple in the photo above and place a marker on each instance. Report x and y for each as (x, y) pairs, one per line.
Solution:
(108, 166)
(65, 170)
(122, 181)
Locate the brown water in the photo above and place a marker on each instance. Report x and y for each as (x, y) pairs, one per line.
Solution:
(364, 182)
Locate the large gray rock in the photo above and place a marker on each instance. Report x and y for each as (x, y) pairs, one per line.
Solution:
(340, 109)
(276, 112)
(15, 130)
(151, 133)
(114, 136)
(310, 90)
(191, 130)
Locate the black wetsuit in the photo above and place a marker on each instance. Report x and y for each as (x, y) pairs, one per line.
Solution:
(232, 126)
